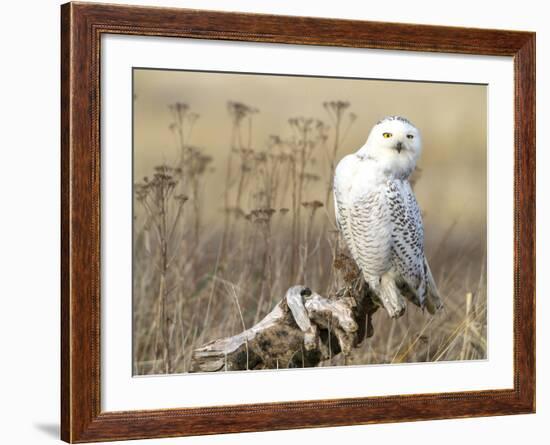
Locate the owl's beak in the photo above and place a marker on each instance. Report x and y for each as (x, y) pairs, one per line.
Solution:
(399, 146)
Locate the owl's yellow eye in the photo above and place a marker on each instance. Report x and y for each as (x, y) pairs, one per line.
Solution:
(387, 135)
(410, 136)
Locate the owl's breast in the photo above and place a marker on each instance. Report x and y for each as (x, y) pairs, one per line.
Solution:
(356, 178)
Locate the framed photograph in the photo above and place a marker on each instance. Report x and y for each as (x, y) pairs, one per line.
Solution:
(274, 222)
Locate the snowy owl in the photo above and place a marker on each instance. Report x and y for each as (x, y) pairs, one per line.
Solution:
(378, 216)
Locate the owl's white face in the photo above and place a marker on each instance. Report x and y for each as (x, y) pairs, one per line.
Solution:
(395, 136)
(396, 143)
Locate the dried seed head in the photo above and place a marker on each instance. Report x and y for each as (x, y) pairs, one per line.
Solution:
(181, 198)
(239, 111)
(314, 205)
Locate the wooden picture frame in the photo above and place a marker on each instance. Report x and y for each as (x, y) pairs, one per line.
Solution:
(82, 25)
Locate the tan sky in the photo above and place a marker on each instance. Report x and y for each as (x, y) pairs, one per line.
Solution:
(451, 118)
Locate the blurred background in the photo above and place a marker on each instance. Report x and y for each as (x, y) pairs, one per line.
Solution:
(232, 205)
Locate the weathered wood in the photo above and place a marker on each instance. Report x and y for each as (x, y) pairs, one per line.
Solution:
(303, 329)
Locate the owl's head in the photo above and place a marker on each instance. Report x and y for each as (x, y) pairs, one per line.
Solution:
(395, 142)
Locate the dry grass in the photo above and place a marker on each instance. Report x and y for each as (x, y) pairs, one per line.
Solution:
(196, 281)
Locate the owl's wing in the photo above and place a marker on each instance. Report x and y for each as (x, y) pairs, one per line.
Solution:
(343, 169)
(365, 225)
(407, 237)
(433, 298)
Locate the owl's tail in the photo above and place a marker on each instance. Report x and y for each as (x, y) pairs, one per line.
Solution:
(433, 298)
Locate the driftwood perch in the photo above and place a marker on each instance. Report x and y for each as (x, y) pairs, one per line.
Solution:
(302, 330)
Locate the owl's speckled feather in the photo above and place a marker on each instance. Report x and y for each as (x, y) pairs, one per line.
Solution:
(379, 218)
